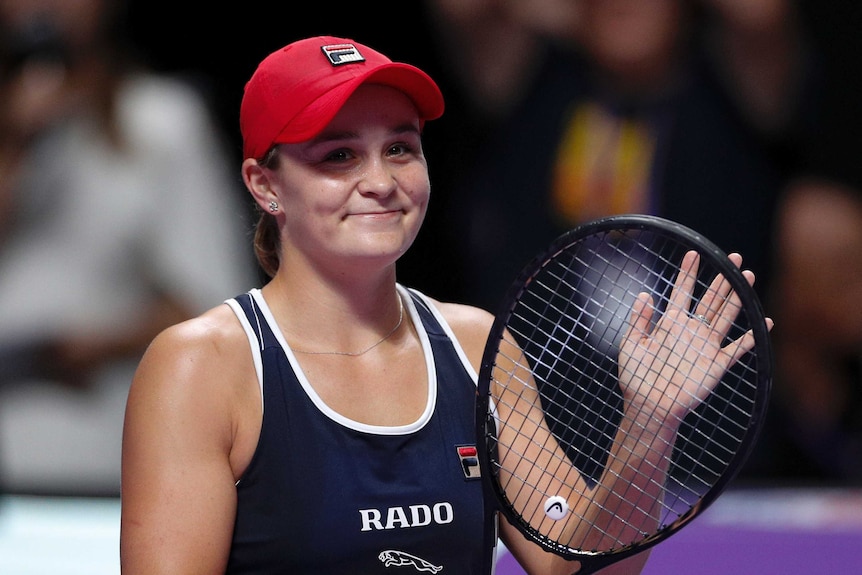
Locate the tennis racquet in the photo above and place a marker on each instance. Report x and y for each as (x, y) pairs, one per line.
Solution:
(622, 387)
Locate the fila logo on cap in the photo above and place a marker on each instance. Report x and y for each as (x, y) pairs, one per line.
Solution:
(339, 54)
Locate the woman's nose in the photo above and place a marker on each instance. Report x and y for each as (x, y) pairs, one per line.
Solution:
(377, 179)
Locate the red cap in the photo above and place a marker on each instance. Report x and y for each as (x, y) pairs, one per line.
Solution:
(297, 90)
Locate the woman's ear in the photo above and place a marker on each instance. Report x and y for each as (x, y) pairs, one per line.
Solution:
(256, 179)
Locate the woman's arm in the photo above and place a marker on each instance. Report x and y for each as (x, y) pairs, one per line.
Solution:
(471, 326)
(188, 411)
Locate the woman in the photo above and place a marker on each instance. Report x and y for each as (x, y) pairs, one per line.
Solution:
(310, 426)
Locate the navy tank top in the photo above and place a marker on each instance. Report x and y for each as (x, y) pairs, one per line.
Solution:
(324, 494)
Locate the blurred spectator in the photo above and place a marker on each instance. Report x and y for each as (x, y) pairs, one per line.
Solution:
(115, 205)
(815, 423)
(680, 108)
(814, 431)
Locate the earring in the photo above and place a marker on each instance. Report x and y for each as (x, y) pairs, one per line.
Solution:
(273, 206)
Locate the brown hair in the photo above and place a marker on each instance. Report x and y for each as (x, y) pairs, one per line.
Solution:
(267, 245)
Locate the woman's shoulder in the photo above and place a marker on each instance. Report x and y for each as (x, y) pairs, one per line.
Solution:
(213, 328)
(459, 315)
(464, 315)
(204, 349)
(195, 389)
(469, 323)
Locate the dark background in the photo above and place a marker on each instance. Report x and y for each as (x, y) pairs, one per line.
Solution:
(222, 45)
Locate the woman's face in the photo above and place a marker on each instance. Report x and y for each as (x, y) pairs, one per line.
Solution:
(358, 192)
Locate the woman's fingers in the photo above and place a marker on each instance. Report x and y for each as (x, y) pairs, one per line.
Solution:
(683, 287)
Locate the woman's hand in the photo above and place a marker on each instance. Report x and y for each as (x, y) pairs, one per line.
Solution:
(668, 370)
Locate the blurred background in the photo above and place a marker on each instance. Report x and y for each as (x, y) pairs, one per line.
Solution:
(122, 209)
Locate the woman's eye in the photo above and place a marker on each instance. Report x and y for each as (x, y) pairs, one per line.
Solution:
(399, 149)
(340, 155)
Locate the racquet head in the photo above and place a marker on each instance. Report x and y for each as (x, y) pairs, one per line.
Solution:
(568, 395)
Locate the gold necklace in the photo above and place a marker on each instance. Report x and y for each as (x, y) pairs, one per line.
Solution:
(367, 349)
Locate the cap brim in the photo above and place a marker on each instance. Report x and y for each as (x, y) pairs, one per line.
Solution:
(415, 83)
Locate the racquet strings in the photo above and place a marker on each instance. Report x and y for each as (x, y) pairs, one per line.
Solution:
(568, 322)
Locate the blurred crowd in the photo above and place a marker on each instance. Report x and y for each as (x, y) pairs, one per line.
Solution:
(121, 208)
(120, 214)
